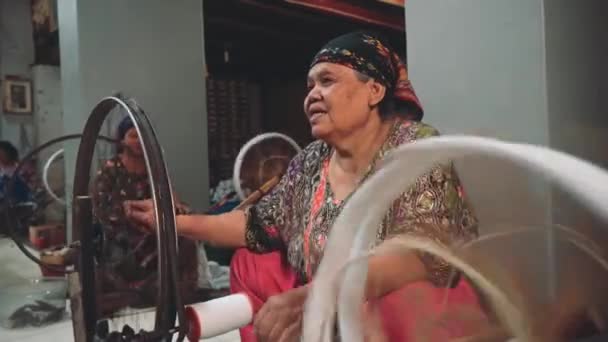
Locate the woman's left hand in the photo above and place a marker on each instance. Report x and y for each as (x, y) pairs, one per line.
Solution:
(280, 318)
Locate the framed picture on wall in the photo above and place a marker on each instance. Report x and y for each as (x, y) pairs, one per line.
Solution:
(17, 95)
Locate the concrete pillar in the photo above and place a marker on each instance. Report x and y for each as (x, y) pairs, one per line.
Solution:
(479, 68)
(16, 58)
(577, 50)
(151, 50)
(522, 70)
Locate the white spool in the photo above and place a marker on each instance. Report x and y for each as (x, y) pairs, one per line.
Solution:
(211, 318)
(222, 315)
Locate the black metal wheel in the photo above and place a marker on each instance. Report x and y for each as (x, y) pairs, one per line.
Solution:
(13, 217)
(168, 300)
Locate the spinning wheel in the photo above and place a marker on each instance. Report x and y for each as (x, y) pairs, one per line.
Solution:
(261, 160)
(82, 282)
(171, 318)
(14, 218)
(81, 274)
(45, 176)
(220, 315)
(338, 286)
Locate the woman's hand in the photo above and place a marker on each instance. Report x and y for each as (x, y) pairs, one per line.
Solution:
(141, 214)
(225, 230)
(280, 319)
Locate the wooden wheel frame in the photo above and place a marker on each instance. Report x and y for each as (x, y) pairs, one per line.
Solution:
(82, 280)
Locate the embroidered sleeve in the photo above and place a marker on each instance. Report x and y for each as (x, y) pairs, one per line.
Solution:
(266, 219)
(435, 208)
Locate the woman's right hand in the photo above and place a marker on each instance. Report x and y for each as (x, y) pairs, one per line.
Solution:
(226, 230)
(141, 214)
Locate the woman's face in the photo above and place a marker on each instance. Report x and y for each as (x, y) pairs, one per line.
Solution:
(338, 103)
(131, 143)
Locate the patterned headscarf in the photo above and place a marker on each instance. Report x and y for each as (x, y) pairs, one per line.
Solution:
(366, 53)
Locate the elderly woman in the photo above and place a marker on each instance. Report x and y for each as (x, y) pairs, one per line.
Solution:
(131, 252)
(361, 106)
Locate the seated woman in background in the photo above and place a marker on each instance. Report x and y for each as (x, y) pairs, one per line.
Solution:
(19, 194)
(123, 178)
(360, 106)
(9, 158)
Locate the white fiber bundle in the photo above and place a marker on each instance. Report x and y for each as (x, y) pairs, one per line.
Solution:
(355, 229)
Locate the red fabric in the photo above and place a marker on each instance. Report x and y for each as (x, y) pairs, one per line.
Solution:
(422, 312)
(259, 276)
(407, 314)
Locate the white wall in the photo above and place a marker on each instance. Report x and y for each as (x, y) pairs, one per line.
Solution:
(577, 70)
(523, 70)
(478, 67)
(48, 110)
(152, 51)
(16, 56)
(577, 55)
(48, 119)
(470, 59)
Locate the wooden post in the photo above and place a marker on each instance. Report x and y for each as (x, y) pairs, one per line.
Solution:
(83, 222)
(75, 292)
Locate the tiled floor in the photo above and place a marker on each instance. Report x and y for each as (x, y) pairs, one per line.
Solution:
(16, 268)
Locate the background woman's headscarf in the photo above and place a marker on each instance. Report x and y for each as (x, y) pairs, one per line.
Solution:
(371, 55)
(123, 127)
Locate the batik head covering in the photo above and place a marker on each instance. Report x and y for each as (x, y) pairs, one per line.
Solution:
(370, 55)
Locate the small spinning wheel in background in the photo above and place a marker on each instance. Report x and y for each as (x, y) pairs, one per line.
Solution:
(57, 155)
(20, 215)
(56, 192)
(261, 162)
